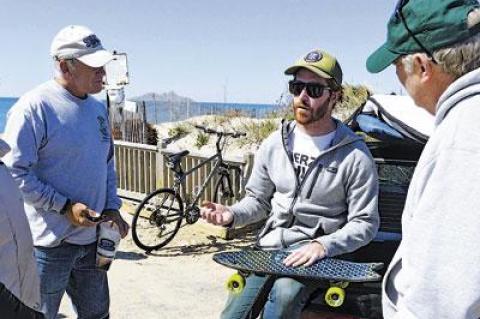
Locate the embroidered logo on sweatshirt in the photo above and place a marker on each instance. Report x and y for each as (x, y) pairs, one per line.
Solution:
(103, 128)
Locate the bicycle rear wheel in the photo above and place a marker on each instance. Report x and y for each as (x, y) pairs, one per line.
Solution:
(157, 219)
(223, 190)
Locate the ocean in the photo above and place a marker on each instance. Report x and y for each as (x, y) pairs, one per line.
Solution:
(159, 112)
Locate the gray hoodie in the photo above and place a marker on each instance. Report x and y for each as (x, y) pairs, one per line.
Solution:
(435, 273)
(18, 271)
(335, 203)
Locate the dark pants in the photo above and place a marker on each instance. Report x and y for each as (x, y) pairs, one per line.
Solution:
(11, 307)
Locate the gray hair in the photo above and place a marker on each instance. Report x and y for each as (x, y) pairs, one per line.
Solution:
(459, 58)
(58, 72)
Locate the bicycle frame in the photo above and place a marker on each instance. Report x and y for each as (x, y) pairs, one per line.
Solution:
(181, 177)
(171, 205)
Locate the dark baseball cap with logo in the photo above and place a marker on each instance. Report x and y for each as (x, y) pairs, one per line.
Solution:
(423, 26)
(321, 63)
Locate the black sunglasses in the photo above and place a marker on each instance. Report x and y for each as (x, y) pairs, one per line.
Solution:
(399, 15)
(314, 90)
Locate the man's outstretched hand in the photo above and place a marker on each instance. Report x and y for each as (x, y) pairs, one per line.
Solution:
(305, 255)
(216, 214)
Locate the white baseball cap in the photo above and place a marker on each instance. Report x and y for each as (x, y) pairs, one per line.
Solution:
(79, 42)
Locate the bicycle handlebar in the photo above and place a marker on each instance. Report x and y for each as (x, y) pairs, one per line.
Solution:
(220, 133)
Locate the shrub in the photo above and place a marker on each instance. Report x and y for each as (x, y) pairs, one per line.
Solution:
(201, 140)
(284, 106)
(180, 129)
(353, 97)
(151, 135)
(257, 131)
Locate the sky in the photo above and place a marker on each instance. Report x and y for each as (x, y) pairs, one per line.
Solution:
(208, 50)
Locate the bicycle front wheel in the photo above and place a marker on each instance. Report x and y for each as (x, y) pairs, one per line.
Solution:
(223, 190)
(157, 219)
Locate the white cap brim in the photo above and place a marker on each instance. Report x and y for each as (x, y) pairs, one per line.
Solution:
(97, 59)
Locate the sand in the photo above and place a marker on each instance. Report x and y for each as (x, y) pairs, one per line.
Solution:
(178, 281)
(234, 149)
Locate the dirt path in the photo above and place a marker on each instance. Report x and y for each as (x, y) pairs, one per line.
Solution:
(179, 281)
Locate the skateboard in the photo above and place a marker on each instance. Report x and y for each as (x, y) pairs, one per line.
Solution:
(339, 273)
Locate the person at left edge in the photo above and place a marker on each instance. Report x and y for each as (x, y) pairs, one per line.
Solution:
(62, 159)
(19, 283)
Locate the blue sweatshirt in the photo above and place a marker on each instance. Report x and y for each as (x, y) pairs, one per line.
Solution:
(61, 148)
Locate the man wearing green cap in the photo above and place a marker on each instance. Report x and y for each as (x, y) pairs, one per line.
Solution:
(435, 273)
(314, 181)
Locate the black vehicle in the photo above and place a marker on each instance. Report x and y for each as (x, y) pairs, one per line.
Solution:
(396, 147)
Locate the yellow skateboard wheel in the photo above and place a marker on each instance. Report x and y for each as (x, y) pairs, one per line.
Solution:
(236, 283)
(335, 296)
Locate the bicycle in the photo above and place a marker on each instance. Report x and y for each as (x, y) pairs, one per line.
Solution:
(159, 216)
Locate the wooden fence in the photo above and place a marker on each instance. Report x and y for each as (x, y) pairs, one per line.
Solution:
(136, 167)
(129, 125)
(141, 169)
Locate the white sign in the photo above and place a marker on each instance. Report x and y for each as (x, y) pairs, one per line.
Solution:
(117, 72)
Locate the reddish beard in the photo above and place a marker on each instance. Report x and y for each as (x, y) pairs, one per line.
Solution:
(306, 115)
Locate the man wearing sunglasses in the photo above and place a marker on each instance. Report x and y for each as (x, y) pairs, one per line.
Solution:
(314, 181)
(62, 159)
(435, 48)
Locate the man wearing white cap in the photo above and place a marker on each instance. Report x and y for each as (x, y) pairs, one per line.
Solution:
(62, 159)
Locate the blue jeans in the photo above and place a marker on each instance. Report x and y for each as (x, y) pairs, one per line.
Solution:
(286, 299)
(71, 268)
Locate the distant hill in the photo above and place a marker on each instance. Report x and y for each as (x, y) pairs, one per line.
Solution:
(164, 97)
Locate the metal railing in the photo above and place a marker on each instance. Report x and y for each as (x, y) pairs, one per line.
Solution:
(141, 169)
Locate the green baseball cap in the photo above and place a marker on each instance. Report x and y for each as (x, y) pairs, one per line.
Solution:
(423, 26)
(321, 63)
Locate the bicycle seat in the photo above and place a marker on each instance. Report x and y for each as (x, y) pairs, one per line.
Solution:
(176, 157)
